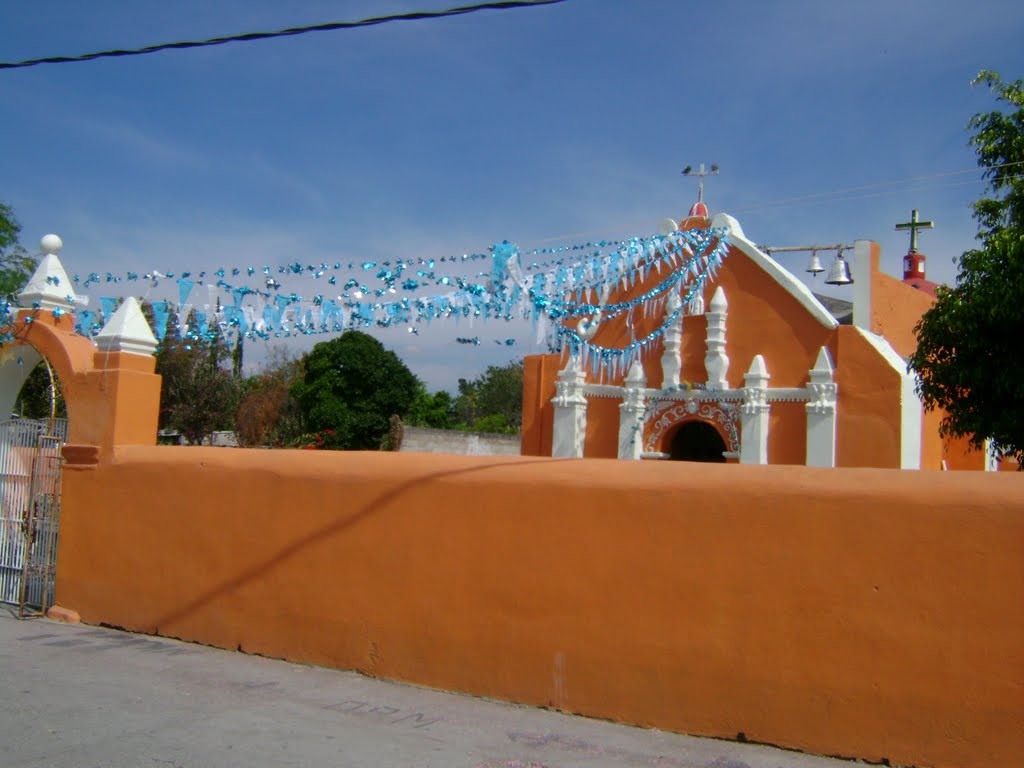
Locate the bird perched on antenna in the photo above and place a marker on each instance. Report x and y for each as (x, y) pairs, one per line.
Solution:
(700, 173)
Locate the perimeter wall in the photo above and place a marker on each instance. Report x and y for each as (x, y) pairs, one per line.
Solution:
(868, 613)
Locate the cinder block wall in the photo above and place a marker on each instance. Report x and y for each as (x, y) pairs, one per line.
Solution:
(868, 613)
(425, 440)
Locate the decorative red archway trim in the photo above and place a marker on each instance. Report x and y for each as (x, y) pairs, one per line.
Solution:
(663, 423)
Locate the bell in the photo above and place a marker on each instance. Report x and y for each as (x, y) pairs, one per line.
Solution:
(839, 274)
(815, 266)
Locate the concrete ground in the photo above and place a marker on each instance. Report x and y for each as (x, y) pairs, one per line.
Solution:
(75, 696)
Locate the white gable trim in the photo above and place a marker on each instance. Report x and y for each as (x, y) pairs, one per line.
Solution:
(776, 271)
(910, 403)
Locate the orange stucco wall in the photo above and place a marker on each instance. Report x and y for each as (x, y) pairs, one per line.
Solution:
(868, 413)
(951, 453)
(895, 309)
(868, 613)
(539, 374)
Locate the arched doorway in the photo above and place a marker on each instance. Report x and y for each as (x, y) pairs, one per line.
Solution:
(33, 429)
(697, 441)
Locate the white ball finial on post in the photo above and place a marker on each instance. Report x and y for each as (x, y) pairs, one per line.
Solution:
(51, 244)
(49, 287)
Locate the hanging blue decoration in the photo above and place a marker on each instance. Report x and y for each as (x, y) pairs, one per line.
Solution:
(563, 289)
(108, 305)
(161, 314)
(84, 326)
(184, 289)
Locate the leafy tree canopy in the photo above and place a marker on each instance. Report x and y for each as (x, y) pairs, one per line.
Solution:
(968, 358)
(492, 402)
(432, 410)
(197, 394)
(16, 266)
(351, 387)
(268, 414)
(41, 396)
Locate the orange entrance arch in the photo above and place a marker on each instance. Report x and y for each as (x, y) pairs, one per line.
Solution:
(113, 398)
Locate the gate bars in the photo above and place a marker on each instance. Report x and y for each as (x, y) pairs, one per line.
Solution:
(30, 469)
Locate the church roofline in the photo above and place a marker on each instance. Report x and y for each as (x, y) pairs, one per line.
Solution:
(776, 271)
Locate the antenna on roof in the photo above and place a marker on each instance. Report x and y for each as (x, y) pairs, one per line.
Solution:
(700, 173)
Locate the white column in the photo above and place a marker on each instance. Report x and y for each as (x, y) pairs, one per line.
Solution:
(671, 360)
(821, 413)
(991, 460)
(631, 413)
(860, 270)
(716, 362)
(570, 424)
(754, 414)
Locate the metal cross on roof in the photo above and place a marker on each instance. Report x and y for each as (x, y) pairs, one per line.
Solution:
(913, 225)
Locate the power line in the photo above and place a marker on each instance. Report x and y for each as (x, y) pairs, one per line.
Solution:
(250, 36)
(846, 192)
(839, 195)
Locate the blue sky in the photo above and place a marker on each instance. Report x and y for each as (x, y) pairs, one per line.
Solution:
(550, 125)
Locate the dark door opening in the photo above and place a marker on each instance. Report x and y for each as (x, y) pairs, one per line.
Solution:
(697, 441)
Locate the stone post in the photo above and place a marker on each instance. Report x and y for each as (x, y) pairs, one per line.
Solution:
(716, 362)
(671, 359)
(570, 424)
(631, 413)
(754, 414)
(821, 413)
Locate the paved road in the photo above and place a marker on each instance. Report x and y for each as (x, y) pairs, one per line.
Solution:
(85, 697)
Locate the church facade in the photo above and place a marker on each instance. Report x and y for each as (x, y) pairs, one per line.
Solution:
(756, 370)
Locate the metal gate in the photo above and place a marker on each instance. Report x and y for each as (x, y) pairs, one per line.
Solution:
(30, 465)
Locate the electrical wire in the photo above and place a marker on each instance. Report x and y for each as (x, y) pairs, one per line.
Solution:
(250, 36)
(846, 192)
(840, 195)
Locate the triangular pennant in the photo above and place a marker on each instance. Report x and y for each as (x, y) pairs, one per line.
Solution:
(85, 322)
(184, 289)
(108, 305)
(161, 314)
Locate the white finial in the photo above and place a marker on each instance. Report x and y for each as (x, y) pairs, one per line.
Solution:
(822, 366)
(758, 370)
(51, 244)
(636, 376)
(127, 330)
(718, 300)
(49, 287)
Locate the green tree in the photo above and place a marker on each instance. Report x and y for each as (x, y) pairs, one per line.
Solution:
(197, 395)
(16, 266)
(435, 410)
(268, 414)
(41, 395)
(492, 402)
(350, 388)
(968, 358)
